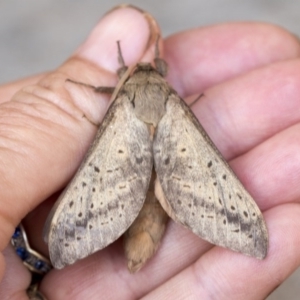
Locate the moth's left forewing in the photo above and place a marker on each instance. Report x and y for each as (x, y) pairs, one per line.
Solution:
(197, 187)
(108, 190)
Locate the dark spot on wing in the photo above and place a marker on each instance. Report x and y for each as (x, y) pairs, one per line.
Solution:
(232, 207)
(81, 222)
(80, 215)
(93, 189)
(177, 178)
(108, 171)
(224, 177)
(78, 238)
(67, 245)
(232, 218)
(245, 227)
(70, 234)
(183, 150)
(220, 201)
(179, 202)
(120, 151)
(190, 205)
(224, 222)
(239, 195)
(245, 214)
(215, 183)
(167, 161)
(96, 169)
(139, 160)
(71, 204)
(83, 184)
(90, 226)
(209, 164)
(236, 230)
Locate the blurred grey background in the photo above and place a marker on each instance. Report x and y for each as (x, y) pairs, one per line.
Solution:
(38, 35)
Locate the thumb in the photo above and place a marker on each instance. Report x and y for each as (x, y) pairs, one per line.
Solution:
(47, 127)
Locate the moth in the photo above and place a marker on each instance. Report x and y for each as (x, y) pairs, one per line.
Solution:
(151, 159)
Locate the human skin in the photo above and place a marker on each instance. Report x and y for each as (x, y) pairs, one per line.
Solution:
(250, 76)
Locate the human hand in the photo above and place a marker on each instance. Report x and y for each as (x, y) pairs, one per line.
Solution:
(249, 75)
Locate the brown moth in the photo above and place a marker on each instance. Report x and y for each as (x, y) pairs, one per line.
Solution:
(151, 156)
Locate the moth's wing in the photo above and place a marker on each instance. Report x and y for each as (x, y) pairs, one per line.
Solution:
(198, 187)
(107, 192)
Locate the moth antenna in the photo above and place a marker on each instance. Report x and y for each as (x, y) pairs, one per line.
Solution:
(123, 68)
(160, 64)
(97, 89)
(156, 47)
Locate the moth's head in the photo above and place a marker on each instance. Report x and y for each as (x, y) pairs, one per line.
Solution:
(160, 66)
(142, 66)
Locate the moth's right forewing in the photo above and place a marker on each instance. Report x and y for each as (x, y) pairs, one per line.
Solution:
(107, 192)
(197, 187)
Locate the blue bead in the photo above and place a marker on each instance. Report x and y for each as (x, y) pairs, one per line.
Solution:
(39, 264)
(22, 253)
(17, 233)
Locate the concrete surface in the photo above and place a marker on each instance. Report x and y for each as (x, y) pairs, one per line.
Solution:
(37, 35)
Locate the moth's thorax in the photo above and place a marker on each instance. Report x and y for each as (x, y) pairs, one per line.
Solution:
(148, 92)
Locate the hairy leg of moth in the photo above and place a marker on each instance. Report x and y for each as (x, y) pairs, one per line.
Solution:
(143, 237)
(98, 89)
(107, 89)
(196, 100)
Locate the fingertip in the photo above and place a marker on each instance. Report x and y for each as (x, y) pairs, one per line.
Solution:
(131, 26)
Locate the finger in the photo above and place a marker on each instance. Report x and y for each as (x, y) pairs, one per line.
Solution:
(227, 275)
(16, 278)
(271, 171)
(243, 112)
(44, 132)
(9, 89)
(217, 53)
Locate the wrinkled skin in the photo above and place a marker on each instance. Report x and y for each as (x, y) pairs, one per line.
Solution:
(250, 76)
